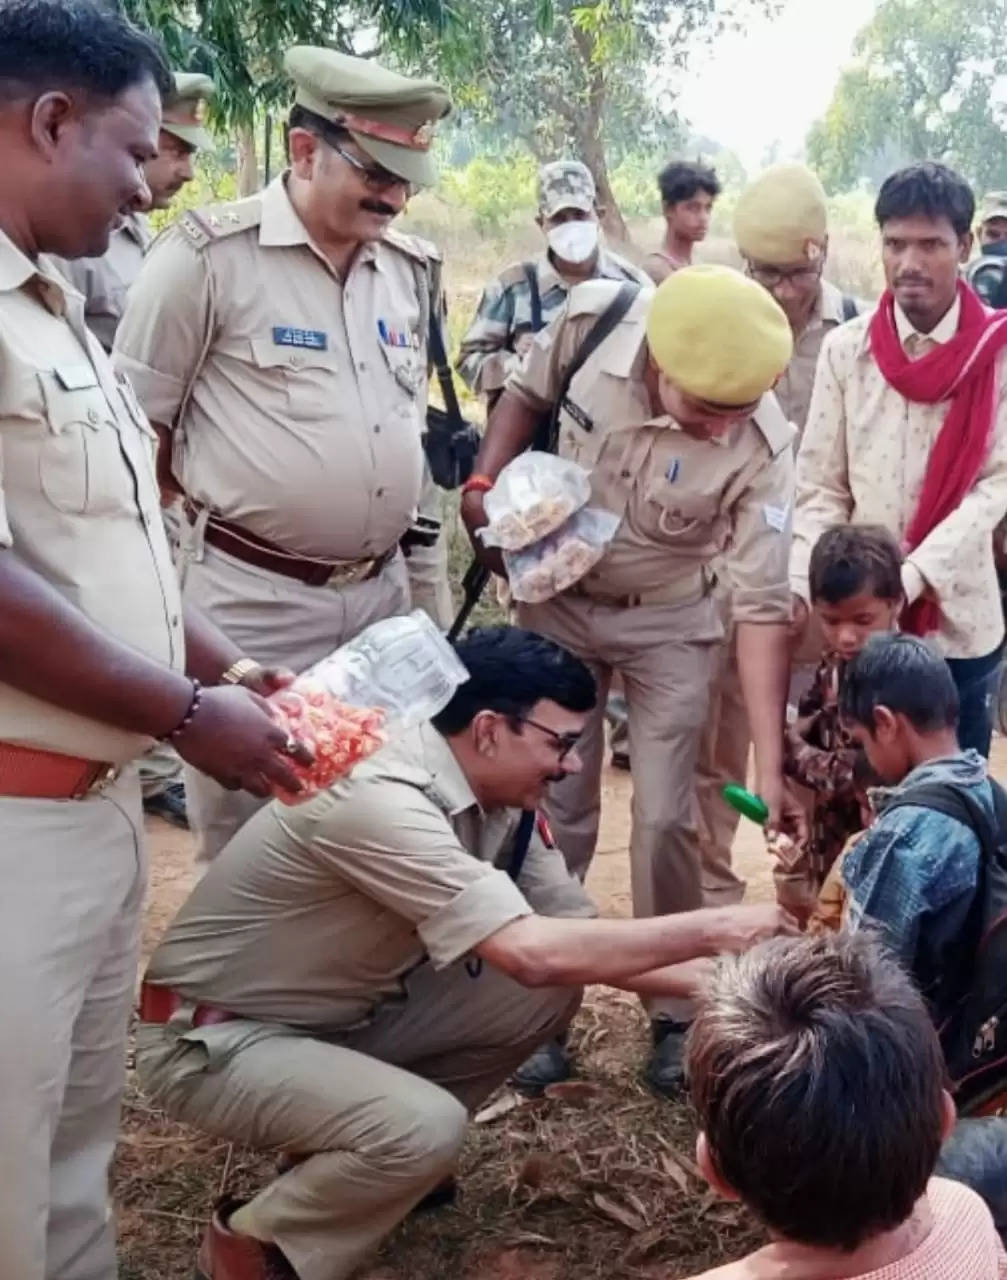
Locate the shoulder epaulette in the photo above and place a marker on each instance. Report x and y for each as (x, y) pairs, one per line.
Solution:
(772, 422)
(591, 297)
(217, 221)
(415, 247)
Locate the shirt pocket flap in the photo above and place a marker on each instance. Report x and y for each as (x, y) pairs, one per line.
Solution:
(81, 406)
(267, 354)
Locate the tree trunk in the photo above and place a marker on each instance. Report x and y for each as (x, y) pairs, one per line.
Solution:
(248, 164)
(587, 128)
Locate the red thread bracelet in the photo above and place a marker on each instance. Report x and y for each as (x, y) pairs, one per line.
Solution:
(477, 484)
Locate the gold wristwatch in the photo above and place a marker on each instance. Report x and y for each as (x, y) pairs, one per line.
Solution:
(237, 671)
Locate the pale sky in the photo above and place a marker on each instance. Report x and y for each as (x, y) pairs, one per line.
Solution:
(772, 80)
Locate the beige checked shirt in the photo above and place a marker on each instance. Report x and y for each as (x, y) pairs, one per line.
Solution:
(863, 459)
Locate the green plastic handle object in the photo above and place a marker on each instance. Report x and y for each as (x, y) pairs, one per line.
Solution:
(746, 803)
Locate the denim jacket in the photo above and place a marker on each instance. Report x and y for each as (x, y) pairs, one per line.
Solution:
(914, 873)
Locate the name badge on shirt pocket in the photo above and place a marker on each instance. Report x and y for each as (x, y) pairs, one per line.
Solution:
(309, 339)
(75, 377)
(583, 420)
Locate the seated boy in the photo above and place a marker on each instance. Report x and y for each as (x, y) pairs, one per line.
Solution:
(856, 590)
(915, 872)
(817, 1077)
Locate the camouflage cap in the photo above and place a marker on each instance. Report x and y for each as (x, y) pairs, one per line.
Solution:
(389, 116)
(994, 205)
(780, 218)
(565, 184)
(182, 115)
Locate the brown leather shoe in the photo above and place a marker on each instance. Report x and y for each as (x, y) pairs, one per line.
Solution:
(224, 1255)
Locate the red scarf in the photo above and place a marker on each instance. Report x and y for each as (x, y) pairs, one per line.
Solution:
(962, 371)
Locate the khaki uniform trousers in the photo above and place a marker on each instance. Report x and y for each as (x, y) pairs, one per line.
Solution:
(665, 654)
(279, 622)
(380, 1112)
(73, 879)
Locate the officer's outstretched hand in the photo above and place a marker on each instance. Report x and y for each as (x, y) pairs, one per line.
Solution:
(743, 927)
(234, 738)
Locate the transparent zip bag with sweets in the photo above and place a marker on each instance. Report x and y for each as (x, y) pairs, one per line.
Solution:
(558, 561)
(533, 495)
(395, 674)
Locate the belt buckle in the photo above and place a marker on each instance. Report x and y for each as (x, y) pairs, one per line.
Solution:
(349, 574)
(105, 778)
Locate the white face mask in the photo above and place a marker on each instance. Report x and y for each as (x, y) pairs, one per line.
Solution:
(573, 241)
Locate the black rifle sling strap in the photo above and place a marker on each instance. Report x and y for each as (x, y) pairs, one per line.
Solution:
(603, 326)
(534, 297)
(522, 842)
(439, 357)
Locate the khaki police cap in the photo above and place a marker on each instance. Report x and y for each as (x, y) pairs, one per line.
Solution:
(389, 116)
(780, 218)
(183, 112)
(717, 335)
(994, 205)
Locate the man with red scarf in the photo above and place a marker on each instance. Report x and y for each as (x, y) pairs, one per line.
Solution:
(908, 428)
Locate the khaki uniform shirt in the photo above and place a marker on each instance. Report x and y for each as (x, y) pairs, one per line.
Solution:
(78, 499)
(863, 460)
(794, 389)
(683, 501)
(105, 281)
(504, 314)
(312, 916)
(297, 399)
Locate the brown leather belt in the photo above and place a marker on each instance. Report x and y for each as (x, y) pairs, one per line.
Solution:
(160, 1004)
(32, 774)
(235, 541)
(691, 588)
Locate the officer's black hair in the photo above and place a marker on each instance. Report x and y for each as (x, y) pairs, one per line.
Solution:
(681, 179)
(510, 670)
(904, 674)
(304, 118)
(850, 558)
(75, 45)
(928, 190)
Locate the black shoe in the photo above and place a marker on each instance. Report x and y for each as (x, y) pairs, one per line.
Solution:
(620, 760)
(665, 1071)
(549, 1064)
(169, 805)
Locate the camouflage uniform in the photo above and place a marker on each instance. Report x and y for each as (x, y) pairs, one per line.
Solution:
(820, 755)
(488, 350)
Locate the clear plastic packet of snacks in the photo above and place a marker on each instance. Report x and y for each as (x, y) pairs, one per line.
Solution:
(395, 674)
(533, 495)
(556, 562)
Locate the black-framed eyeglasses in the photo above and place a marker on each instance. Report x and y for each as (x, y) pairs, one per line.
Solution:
(565, 742)
(773, 277)
(374, 176)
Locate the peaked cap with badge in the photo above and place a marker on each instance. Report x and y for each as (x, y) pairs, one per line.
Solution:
(717, 335)
(780, 218)
(390, 116)
(182, 115)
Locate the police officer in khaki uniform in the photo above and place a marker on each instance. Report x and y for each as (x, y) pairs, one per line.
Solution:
(452, 959)
(278, 344)
(673, 419)
(780, 225)
(104, 282)
(93, 643)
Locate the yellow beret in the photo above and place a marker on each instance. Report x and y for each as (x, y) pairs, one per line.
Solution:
(780, 218)
(389, 116)
(183, 112)
(717, 335)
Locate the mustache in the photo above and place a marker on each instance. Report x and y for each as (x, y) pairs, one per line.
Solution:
(912, 280)
(379, 206)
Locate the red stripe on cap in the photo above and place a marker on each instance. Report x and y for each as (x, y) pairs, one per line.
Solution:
(418, 139)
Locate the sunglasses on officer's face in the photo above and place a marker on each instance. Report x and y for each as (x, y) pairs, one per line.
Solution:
(374, 176)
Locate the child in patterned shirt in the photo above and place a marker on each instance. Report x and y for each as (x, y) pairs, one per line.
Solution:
(856, 590)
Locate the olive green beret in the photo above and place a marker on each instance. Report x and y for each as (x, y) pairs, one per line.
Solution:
(182, 116)
(389, 116)
(717, 335)
(780, 218)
